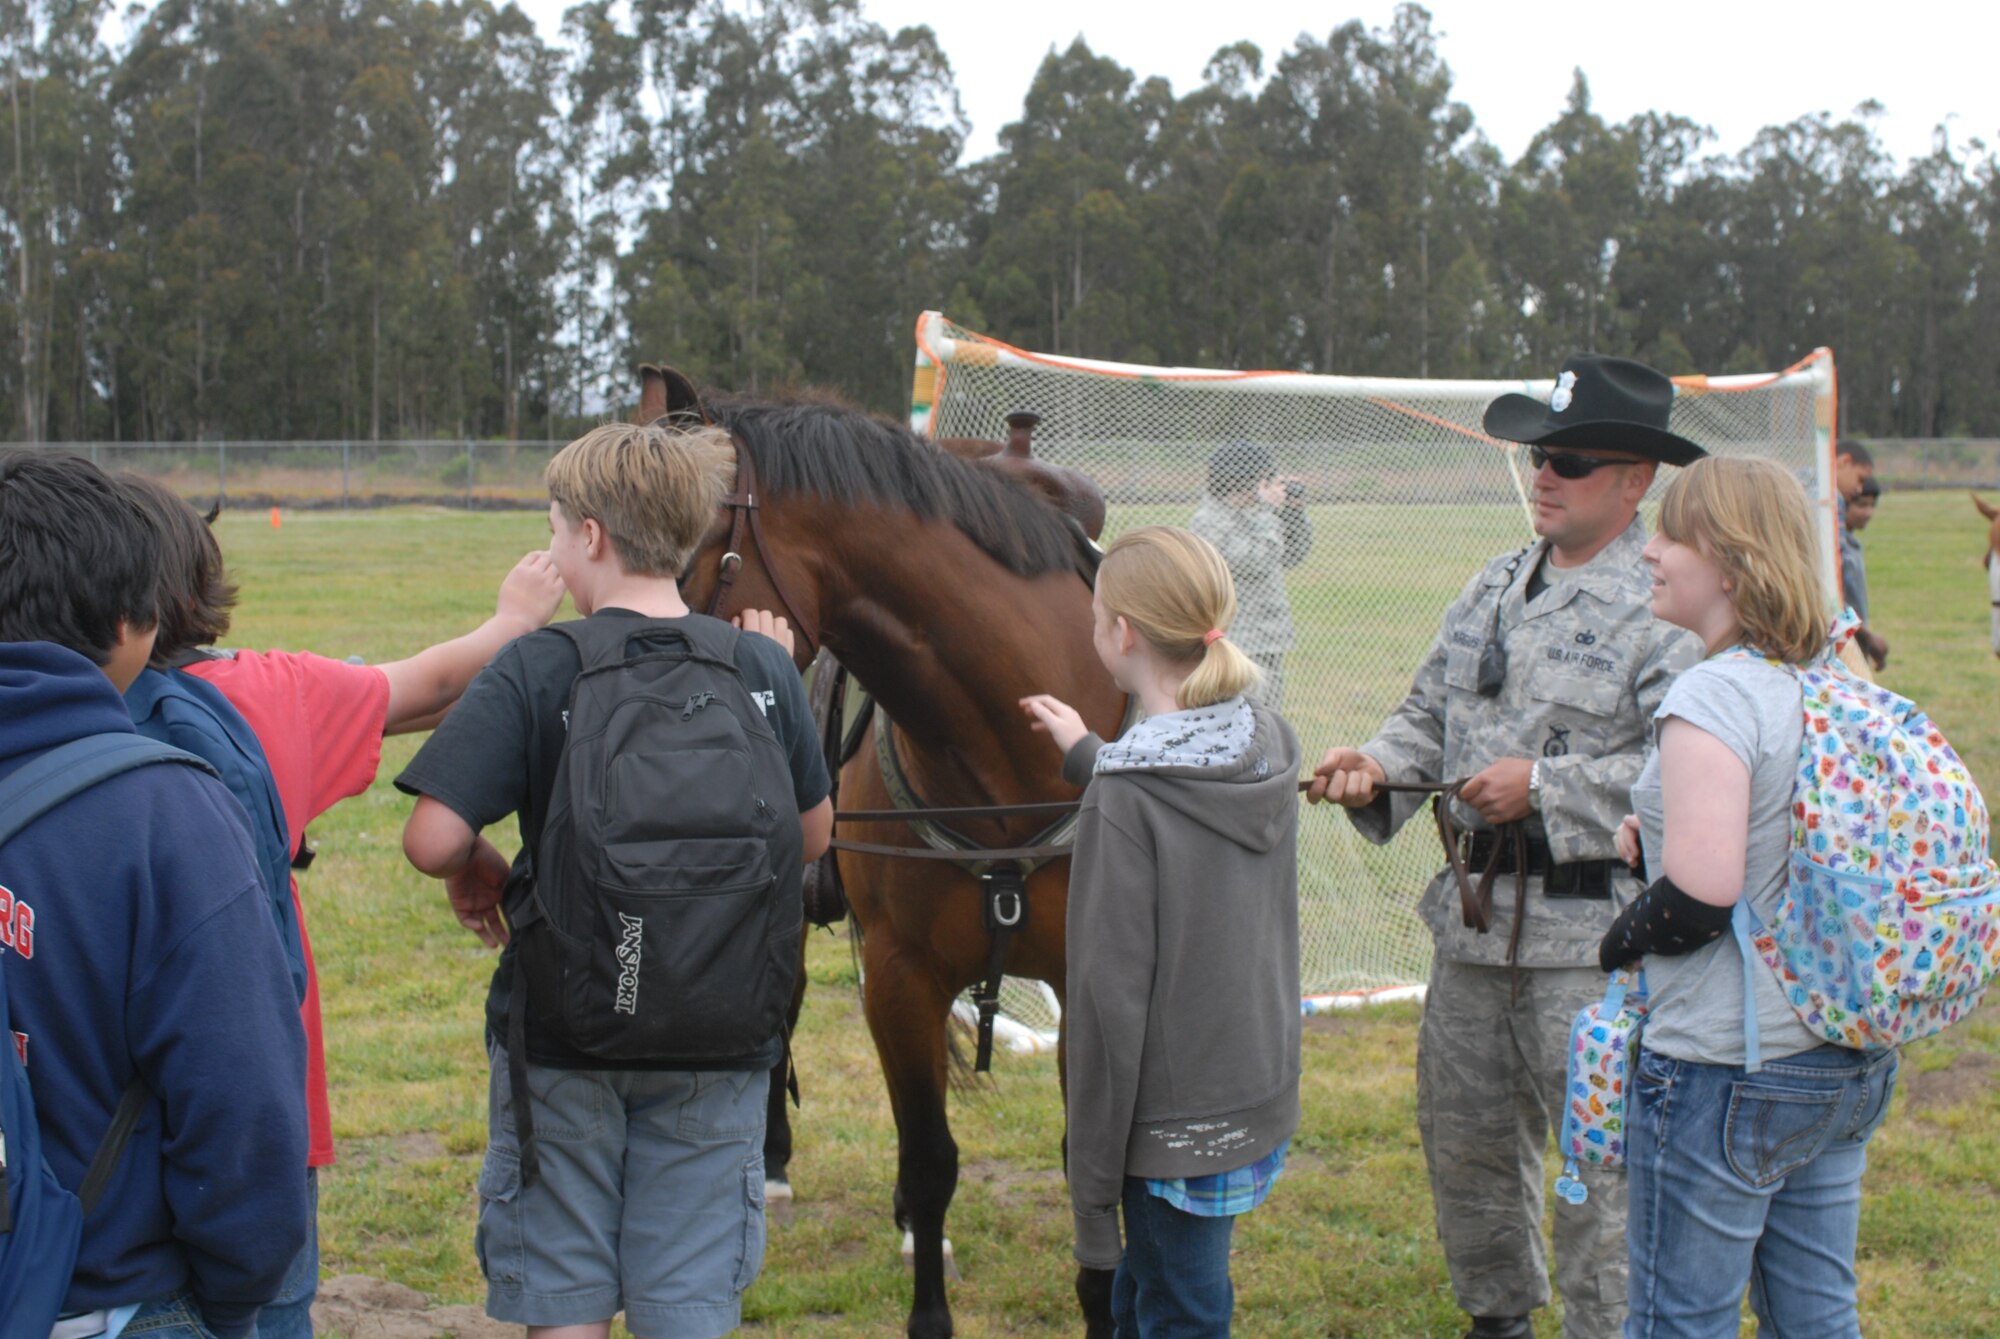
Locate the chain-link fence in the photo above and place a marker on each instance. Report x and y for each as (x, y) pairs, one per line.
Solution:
(1936, 462)
(458, 473)
(1407, 499)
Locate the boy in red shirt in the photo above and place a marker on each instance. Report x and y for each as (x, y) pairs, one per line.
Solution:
(321, 722)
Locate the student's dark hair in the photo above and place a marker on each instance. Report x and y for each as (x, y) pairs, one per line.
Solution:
(1847, 446)
(77, 556)
(1239, 467)
(1871, 487)
(195, 594)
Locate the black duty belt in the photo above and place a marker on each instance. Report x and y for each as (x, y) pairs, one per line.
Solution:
(1578, 878)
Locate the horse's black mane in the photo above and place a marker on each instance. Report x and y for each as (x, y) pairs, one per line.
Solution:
(821, 447)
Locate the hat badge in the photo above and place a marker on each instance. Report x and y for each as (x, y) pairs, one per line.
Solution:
(1565, 384)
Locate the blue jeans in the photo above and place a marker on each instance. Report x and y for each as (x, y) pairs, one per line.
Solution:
(289, 1314)
(174, 1317)
(1750, 1181)
(1174, 1280)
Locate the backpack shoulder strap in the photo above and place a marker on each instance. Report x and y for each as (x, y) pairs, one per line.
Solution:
(31, 791)
(112, 1147)
(1742, 922)
(70, 769)
(195, 655)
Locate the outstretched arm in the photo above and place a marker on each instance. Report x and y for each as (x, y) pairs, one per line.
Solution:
(428, 682)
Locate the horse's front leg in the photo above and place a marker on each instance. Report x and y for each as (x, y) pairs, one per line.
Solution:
(907, 1015)
(778, 1123)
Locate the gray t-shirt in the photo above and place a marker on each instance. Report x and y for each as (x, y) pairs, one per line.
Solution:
(1697, 1000)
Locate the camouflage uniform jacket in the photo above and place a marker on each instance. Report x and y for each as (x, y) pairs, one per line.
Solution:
(1587, 665)
(1853, 568)
(1258, 542)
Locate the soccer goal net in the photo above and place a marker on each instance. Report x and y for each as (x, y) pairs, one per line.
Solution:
(1407, 498)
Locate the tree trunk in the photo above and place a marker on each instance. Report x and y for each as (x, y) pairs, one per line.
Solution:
(31, 399)
(375, 367)
(512, 396)
(200, 269)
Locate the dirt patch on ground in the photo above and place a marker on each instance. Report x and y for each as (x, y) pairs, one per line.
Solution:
(358, 1307)
(1327, 1025)
(1304, 1162)
(1009, 1182)
(422, 1146)
(1970, 1076)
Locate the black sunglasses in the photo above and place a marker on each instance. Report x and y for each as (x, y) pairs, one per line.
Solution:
(1568, 466)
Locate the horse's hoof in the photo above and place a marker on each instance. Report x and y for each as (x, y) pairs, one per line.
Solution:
(910, 1256)
(778, 1203)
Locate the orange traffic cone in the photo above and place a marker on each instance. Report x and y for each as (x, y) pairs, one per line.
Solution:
(275, 521)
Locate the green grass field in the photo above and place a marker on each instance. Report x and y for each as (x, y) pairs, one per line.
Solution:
(1345, 1246)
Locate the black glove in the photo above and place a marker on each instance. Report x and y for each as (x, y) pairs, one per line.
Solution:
(1662, 920)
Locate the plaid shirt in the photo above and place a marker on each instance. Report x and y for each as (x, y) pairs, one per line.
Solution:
(1224, 1194)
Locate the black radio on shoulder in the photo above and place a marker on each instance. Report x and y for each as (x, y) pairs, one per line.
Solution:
(1492, 668)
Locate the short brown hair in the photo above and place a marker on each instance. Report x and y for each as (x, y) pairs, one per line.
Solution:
(653, 488)
(1752, 518)
(195, 594)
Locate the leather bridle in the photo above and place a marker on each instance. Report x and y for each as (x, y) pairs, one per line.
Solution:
(744, 515)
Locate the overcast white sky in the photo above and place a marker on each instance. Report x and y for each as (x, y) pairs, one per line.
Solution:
(1733, 66)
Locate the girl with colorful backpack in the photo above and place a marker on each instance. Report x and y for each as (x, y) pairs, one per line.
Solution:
(1820, 893)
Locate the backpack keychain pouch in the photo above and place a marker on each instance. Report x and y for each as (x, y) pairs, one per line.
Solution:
(1603, 1054)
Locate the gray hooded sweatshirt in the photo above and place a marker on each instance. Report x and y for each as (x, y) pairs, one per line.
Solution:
(1182, 1022)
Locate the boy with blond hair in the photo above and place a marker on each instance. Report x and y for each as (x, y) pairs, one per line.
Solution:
(627, 1098)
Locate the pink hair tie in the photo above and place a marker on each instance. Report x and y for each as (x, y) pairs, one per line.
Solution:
(1211, 637)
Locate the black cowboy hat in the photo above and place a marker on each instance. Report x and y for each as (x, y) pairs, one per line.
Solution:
(1612, 404)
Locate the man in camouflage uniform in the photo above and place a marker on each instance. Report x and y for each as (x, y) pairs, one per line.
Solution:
(1258, 523)
(1540, 687)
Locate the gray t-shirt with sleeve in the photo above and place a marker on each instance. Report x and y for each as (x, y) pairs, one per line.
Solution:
(1696, 1010)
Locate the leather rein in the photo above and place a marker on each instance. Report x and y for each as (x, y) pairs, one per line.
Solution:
(944, 843)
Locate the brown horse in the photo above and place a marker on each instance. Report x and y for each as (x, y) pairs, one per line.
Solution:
(951, 590)
(1992, 515)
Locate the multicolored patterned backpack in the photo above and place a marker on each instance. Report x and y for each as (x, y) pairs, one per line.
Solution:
(1603, 1053)
(1889, 928)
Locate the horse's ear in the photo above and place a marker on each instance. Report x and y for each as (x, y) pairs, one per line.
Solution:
(1986, 508)
(665, 393)
(1021, 434)
(652, 394)
(215, 510)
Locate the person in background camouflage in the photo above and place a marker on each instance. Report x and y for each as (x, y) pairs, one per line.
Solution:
(1540, 687)
(1258, 523)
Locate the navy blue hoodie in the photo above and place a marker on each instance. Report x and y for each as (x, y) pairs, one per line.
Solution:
(140, 941)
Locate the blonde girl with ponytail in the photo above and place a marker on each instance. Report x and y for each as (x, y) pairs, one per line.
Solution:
(1181, 1022)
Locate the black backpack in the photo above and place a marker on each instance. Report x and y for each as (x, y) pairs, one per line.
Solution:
(662, 922)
